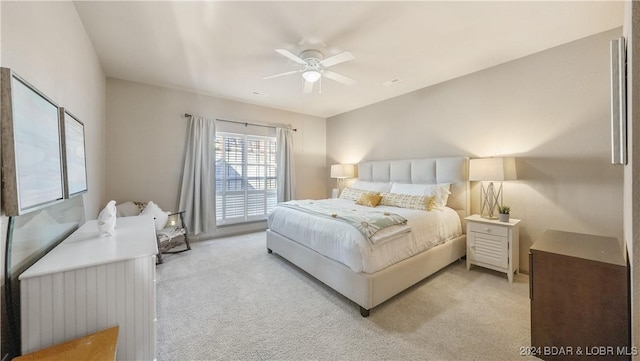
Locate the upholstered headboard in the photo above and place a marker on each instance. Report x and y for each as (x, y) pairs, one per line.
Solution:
(452, 170)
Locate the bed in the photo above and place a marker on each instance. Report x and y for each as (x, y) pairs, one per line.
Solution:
(373, 282)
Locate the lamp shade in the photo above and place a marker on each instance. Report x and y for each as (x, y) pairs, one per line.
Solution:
(342, 171)
(492, 169)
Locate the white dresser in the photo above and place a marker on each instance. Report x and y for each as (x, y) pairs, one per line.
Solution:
(493, 244)
(88, 283)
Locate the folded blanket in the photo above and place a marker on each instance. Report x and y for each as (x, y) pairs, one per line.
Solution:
(375, 226)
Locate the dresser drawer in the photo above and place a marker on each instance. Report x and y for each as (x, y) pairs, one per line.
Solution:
(488, 229)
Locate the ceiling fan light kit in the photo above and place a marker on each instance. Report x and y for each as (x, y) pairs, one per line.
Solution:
(314, 67)
(311, 76)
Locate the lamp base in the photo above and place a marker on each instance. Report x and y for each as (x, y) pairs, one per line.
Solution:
(342, 183)
(490, 199)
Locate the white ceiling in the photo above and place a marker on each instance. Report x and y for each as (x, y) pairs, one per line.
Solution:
(224, 48)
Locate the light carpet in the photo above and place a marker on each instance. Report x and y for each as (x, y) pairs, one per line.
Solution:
(228, 299)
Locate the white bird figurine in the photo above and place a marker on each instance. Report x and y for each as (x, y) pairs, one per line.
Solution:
(107, 220)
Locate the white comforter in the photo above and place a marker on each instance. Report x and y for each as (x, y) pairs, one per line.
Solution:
(376, 226)
(345, 244)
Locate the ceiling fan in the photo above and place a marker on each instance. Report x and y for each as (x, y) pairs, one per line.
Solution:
(315, 67)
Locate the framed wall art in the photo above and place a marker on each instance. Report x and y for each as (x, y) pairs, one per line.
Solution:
(73, 154)
(618, 102)
(31, 147)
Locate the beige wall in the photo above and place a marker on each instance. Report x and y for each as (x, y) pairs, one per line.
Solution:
(46, 43)
(550, 110)
(146, 134)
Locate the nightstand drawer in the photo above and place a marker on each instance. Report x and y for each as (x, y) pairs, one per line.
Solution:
(488, 229)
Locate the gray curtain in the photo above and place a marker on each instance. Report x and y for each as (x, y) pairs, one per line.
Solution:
(286, 184)
(198, 180)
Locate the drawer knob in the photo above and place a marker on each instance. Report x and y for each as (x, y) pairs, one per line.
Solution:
(488, 230)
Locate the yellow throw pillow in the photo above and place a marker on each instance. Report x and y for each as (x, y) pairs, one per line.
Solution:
(369, 200)
(424, 203)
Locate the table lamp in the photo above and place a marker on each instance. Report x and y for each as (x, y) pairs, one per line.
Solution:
(341, 172)
(489, 171)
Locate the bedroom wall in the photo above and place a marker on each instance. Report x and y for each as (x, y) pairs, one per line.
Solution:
(549, 109)
(46, 43)
(146, 133)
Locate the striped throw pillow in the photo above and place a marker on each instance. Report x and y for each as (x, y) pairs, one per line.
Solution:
(424, 203)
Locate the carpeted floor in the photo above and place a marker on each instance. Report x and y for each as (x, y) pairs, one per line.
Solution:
(228, 299)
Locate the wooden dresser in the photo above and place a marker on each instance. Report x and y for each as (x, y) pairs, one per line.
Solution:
(579, 290)
(88, 283)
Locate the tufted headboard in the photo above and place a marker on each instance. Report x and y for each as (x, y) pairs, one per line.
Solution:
(452, 170)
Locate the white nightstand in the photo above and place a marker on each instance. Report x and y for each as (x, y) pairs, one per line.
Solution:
(493, 244)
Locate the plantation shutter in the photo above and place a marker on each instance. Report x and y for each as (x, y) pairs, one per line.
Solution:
(246, 185)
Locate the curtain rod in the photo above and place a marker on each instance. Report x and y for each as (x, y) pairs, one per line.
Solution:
(187, 115)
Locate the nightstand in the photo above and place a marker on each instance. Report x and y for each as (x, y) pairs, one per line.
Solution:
(493, 244)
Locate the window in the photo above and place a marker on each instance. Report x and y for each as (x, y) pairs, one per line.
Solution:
(246, 184)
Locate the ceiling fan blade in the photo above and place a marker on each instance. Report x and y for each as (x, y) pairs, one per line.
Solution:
(337, 59)
(280, 74)
(338, 77)
(308, 87)
(291, 56)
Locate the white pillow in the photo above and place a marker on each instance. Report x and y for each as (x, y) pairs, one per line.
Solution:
(411, 189)
(439, 191)
(443, 190)
(371, 186)
(127, 209)
(157, 213)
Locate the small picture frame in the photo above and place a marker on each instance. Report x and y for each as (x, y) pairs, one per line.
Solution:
(74, 154)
